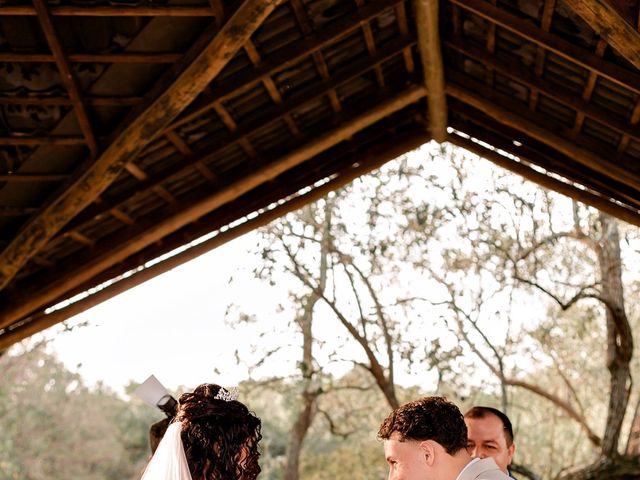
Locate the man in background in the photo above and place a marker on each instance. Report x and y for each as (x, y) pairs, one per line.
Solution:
(427, 439)
(490, 434)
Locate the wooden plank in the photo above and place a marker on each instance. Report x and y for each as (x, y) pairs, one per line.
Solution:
(497, 135)
(142, 130)
(66, 75)
(545, 25)
(62, 101)
(125, 57)
(16, 211)
(35, 141)
(367, 162)
(608, 23)
(556, 92)
(524, 169)
(33, 177)
(432, 66)
(149, 233)
(103, 11)
(478, 96)
(563, 48)
(289, 106)
(282, 60)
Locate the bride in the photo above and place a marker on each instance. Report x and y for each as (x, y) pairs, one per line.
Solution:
(213, 437)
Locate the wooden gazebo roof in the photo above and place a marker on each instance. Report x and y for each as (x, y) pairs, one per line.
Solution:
(131, 128)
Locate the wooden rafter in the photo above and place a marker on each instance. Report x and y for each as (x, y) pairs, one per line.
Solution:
(590, 85)
(281, 61)
(560, 94)
(501, 137)
(545, 26)
(34, 141)
(552, 43)
(403, 27)
(66, 75)
(523, 167)
(125, 57)
(608, 23)
(432, 66)
(289, 106)
(33, 177)
(367, 161)
(318, 58)
(134, 137)
(99, 11)
(478, 96)
(155, 229)
(62, 101)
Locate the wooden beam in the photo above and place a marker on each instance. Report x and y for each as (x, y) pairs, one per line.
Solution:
(282, 60)
(607, 22)
(33, 177)
(289, 106)
(132, 140)
(63, 101)
(99, 11)
(523, 168)
(366, 163)
(150, 232)
(16, 211)
(66, 75)
(432, 66)
(337, 161)
(125, 57)
(35, 141)
(545, 25)
(563, 48)
(497, 135)
(560, 94)
(483, 99)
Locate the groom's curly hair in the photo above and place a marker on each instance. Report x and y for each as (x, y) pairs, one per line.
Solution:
(429, 418)
(220, 437)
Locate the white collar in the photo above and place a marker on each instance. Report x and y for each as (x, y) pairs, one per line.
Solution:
(473, 460)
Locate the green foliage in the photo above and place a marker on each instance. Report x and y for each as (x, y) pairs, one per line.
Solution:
(55, 427)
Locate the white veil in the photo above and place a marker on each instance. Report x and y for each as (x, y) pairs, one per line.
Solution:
(169, 461)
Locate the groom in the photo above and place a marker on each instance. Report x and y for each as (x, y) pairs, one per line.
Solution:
(427, 440)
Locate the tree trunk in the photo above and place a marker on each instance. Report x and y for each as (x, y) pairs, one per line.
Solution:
(309, 394)
(633, 441)
(619, 336)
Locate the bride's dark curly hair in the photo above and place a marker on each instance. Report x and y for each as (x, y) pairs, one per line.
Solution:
(220, 437)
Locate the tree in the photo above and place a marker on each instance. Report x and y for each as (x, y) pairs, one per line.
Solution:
(512, 241)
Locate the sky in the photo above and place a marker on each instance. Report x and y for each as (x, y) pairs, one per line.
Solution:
(171, 326)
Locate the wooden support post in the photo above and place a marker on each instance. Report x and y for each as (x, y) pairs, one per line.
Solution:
(612, 27)
(132, 140)
(432, 66)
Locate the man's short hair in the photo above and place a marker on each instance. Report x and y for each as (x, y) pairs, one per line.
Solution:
(481, 412)
(430, 418)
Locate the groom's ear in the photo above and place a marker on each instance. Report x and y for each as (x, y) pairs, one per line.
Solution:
(428, 450)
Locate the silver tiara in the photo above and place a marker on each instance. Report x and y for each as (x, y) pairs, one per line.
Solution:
(227, 395)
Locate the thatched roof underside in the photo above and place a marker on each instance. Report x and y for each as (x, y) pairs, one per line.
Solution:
(129, 129)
